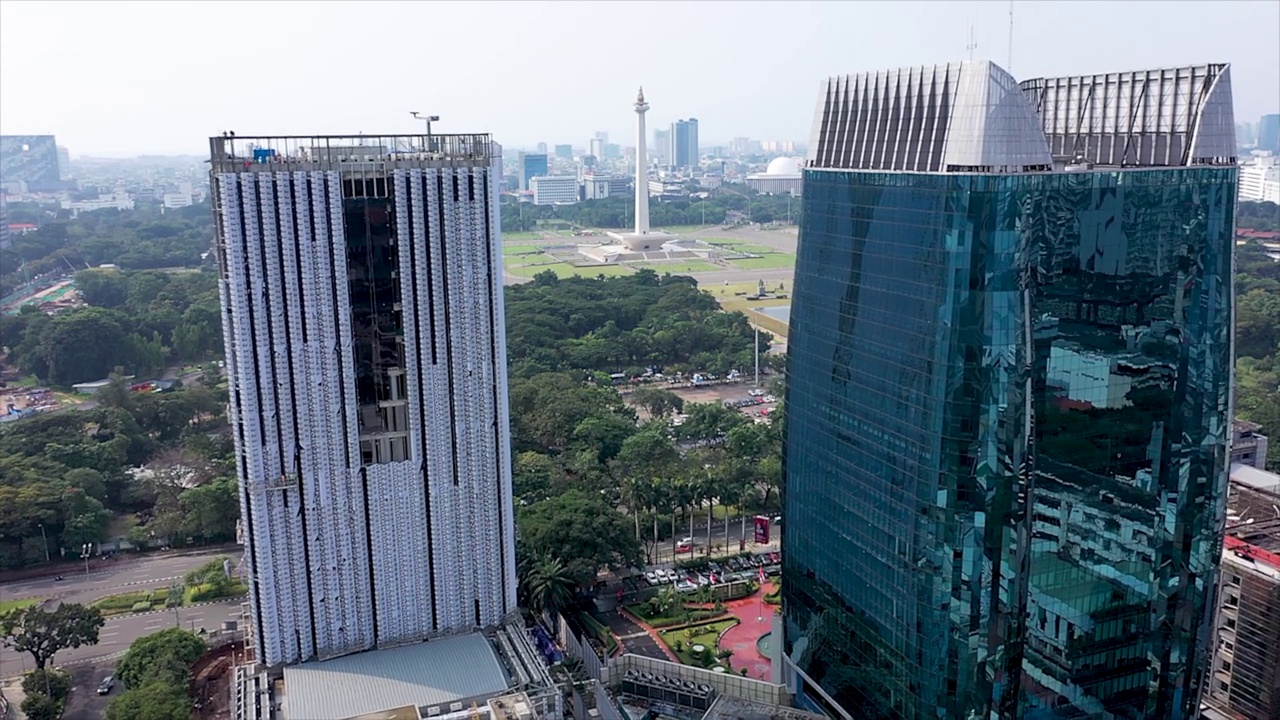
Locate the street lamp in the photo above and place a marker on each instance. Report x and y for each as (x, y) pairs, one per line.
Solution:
(85, 551)
(46, 542)
(428, 119)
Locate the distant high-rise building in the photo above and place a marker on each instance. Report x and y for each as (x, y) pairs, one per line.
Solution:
(596, 148)
(361, 286)
(1244, 134)
(612, 151)
(661, 149)
(602, 136)
(4, 222)
(684, 143)
(564, 152)
(1008, 390)
(542, 148)
(1269, 133)
(531, 166)
(31, 160)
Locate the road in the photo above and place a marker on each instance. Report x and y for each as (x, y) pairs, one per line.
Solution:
(109, 578)
(666, 556)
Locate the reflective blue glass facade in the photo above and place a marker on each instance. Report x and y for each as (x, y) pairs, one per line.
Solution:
(1006, 441)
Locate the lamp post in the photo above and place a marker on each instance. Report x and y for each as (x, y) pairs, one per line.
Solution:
(85, 551)
(428, 119)
(174, 600)
(46, 542)
(757, 326)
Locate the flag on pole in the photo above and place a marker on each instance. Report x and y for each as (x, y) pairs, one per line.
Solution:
(713, 578)
(761, 573)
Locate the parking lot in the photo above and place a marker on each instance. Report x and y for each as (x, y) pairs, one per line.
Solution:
(705, 573)
(724, 393)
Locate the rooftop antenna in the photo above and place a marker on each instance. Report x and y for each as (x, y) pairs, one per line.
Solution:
(973, 44)
(1009, 66)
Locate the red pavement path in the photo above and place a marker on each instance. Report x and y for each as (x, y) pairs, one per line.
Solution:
(755, 618)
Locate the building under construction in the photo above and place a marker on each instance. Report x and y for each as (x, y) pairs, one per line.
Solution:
(362, 298)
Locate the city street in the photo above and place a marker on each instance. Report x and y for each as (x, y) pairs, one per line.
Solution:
(664, 552)
(108, 577)
(118, 632)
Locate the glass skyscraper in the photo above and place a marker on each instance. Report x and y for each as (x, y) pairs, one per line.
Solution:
(1010, 360)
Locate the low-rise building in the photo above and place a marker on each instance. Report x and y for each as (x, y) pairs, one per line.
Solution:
(554, 189)
(1244, 678)
(1248, 445)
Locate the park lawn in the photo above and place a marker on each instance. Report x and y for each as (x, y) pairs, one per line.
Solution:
(508, 249)
(565, 270)
(7, 605)
(691, 230)
(708, 635)
(526, 235)
(680, 268)
(770, 261)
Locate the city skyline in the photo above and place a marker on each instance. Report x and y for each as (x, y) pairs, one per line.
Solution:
(44, 91)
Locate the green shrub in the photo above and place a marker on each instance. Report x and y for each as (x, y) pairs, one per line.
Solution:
(141, 606)
(58, 687)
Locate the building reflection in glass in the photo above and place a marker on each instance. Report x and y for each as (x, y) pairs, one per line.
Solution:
(1007, 436)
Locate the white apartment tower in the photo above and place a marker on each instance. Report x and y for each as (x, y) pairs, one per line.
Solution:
(362, 307)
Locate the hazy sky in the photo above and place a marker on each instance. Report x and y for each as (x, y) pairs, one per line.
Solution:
(126, 78)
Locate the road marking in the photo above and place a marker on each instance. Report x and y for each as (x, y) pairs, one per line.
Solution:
(107, 634)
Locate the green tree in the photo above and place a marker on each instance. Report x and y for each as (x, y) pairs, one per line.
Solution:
(657, 402)
(708, 421)
(54, 683)
(42, 633)
(87, 520)
(105, 288)
(154, 701)
(546, 584)
(166, 656)
(83, 344)
(212, 573)
(582, 531)
(38, 706)
(211, 510)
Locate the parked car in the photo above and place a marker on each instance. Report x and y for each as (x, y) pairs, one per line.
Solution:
(651, 577)
(105, 686)
(684, 586)
(715, 568)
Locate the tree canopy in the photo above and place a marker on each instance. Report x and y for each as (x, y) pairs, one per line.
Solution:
(165, 656)
(43, 633)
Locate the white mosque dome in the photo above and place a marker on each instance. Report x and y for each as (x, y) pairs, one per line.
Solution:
(783, 166)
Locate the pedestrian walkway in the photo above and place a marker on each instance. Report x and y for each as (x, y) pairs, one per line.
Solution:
(755, 619)
(11, 688)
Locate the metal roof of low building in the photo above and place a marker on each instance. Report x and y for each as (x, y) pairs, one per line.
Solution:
(430, 673)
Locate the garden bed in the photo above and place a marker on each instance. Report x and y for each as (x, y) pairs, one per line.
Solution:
(685, 642)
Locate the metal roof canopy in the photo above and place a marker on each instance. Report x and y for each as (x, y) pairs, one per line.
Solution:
(437, 672)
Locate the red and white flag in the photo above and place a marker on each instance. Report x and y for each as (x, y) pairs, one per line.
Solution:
(761, 573)
(713, 578)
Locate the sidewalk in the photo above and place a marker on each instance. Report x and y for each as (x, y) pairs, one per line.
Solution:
(12, 690)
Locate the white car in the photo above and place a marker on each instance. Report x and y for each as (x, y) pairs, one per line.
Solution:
(684, 586)
(652, 578)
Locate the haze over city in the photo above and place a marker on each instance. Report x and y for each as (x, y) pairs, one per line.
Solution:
(123, 79)
(639, 361)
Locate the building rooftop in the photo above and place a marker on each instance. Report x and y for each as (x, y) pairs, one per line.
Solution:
(1253, 514)
(445, 671)
(975, 117)
(1252, 477)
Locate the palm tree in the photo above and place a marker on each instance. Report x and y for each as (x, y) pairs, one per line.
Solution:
(547, 585)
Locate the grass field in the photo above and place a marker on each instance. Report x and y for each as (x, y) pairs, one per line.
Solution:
(567, 270)
(680, 268)
(508, 249)
(769, 261)
(7, 605)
